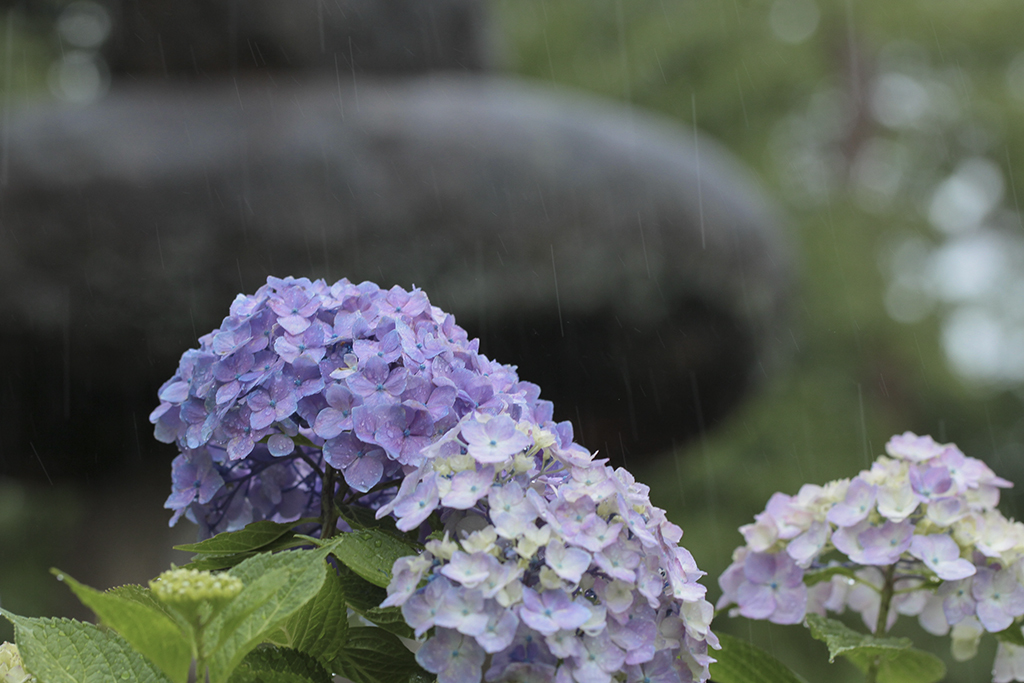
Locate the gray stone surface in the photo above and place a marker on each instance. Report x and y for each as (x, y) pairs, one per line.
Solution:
(635, 277)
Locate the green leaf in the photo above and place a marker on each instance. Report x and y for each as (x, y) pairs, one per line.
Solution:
(902, 666)
(212, 562)
(276, 586)
(359, 517)
(375, 656)
(390, 619)
(816, 576)
(1012, 635)
(842, 640)
(320, 627)
(67, 651)
(370, 553)
(253, 537)
(361, 595)
(216, 563)
(147, 627)
(898, 661)
(139, 594)
(269, 664)
(365, 598)
(742, 662)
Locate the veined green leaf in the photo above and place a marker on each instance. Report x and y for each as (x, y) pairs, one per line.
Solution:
(275, 587)
(212, 562)
(370, 553)
(902, 666)
(365, 598)
(320, 627)
(898, 662)
(841, 639)
(390, 619)
(359, 517)
(269, 664)
(216, 563)
(742, 662)
(375, 656)
(68, 651)
(145, 625)
(255, 536)
(360, 594)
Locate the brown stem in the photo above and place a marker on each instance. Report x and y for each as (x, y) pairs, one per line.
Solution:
(328, 513)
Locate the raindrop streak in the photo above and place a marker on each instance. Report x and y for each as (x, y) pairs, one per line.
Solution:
(696, 156)
(8, 78)
(33, 447)
(863, 425)
(320, 24)
(851, 47)
(67, 354)
(1013, 188)
(138, 442)
(558, 300)
(662, 70)
(643, 244)
(352, 61)
(743, 104)
(627, 86)
(709, 472)
(160, 251)
(337, 76)
(679, 475)
(547, 45)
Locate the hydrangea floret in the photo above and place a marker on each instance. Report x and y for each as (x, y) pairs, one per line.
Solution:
(540, 562)
(917, 534)
(12, 670)
(551, 565)
(304, 380)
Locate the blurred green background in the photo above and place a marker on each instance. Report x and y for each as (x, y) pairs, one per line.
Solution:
(893, 134)
(866, 119)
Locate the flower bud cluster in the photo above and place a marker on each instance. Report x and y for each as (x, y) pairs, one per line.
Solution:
(12, 670)
(177, 586)
(551, 567)
(304, 373)
(924, 516)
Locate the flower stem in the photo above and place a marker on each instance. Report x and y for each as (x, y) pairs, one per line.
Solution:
(328, 513)
(888, 589)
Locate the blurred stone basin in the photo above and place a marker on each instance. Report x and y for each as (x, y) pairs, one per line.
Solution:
(633, 272)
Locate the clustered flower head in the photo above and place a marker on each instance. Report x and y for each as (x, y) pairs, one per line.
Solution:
(551, 565)
(304, 373)
(925, 517)
(186, 586)
(548, 565)
(12, 670)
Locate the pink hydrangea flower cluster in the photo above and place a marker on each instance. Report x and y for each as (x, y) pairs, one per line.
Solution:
(552, 566)
(927, 513)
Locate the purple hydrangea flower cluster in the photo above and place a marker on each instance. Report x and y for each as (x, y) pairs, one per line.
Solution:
(552, 566)
(925, 517)
(304, 373)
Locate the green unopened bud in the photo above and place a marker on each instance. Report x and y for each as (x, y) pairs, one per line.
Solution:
(188, 589)
(191, 585)
(11, 668)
